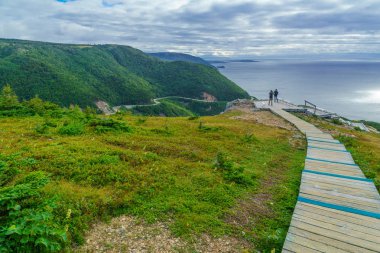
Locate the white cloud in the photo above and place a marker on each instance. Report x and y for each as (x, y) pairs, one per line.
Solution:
(213, 27)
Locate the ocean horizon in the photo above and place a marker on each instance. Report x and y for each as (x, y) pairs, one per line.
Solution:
(350, 88)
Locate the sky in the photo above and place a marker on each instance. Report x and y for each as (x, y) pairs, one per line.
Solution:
(223, 28)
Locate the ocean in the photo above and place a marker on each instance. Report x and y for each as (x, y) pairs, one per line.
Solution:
(349, 88)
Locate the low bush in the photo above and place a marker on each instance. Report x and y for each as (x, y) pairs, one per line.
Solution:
(27, 223)
(336, 122)
(73, 128)
(107, 125)
(203, 127)
(193, 117)
(249, 138)
(232, 172)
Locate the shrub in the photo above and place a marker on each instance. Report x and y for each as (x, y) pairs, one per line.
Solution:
(41, 129)
(27, 223)
(347, 141)
(8, 98)
(72, 129)
(107, 125)
(193, 117)
(249, 138)
(336, 122)
(6, 173)
(231, 171)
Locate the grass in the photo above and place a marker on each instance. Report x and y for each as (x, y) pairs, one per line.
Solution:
(194, 173)
(364, 146)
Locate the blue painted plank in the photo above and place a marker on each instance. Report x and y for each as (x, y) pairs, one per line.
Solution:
(329, 161)
(330, 149)
(339, 207)
(333, 141)
(338, 175)
(321, 138)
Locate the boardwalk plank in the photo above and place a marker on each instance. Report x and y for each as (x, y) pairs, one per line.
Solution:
(337, 214)
(295, 247)
(316, 245)
(343, 245)
(338, 228)
(345, 237)
(336, 221)
(340, 200)
(363, 193)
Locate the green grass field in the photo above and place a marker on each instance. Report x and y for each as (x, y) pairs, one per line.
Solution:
(197, 173)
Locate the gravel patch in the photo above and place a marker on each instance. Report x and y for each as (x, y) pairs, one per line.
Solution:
(129, 234)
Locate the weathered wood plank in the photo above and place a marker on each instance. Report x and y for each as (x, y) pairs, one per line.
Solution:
(344, 245)
(289, 245)
(354, 173)
(337, 214)
(341, 181)
(338, 228)
(365, 193)
(326, 145)
(337, 222)
(329, 165)
(316, 245)
(345, 237)
(338, 196)
(360, 205)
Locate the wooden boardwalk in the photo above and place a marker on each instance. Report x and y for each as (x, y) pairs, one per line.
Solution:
(338, 209)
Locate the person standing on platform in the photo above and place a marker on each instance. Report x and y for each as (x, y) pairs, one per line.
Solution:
(270, 102)
(275, 93)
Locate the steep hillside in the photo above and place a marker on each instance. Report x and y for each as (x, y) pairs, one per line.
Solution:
(82, 74)
(170, 56)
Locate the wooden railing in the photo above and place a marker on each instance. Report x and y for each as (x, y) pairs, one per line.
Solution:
(312, 105)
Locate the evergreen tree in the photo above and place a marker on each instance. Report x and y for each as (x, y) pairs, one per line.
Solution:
(8, 98)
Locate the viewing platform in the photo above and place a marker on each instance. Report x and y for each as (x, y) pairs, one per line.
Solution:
(308, 108)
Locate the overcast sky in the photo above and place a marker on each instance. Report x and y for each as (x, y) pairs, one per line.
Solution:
(201, 27)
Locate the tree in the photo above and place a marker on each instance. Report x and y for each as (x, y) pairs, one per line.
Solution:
(8, 98)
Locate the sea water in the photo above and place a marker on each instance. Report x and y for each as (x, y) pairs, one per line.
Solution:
(349, 88)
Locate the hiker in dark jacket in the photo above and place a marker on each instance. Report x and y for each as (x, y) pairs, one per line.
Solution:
(270, 102)
(275, 93)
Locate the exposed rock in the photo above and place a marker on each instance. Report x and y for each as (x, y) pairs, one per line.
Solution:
(208, 97)
(241, 104)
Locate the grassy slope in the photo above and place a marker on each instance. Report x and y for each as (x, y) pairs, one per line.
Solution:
(364, 147)
(163, 169)
(81, 74)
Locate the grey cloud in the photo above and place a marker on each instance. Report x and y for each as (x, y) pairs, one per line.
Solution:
(347, 21)
(237, 27)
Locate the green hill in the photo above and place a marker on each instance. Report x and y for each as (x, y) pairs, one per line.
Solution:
(82, 74)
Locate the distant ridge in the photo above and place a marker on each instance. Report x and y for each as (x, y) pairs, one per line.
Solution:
(227, 61)
(170, 56)
(84, 74)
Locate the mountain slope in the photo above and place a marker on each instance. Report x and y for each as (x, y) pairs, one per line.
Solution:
(82, 74)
